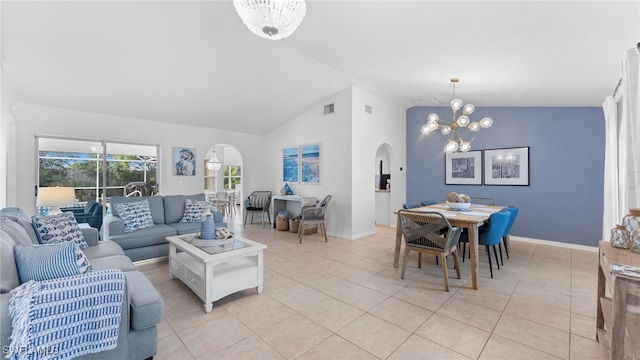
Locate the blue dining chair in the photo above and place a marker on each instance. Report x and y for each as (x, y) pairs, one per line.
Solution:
(496, 226)
(505, 238)
(410, 205)
(428, 202)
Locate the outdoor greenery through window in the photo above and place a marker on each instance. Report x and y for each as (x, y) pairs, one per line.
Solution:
(74, 164)
(232, 176)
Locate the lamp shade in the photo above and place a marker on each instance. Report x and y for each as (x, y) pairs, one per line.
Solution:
(55, 197)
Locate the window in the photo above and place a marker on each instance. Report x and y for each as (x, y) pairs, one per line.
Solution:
(232, 176)
(80, 164)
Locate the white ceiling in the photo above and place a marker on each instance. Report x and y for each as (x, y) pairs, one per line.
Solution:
(194, 62)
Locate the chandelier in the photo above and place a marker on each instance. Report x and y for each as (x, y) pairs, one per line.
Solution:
(212, 161)
(453, 130)
(271, 19)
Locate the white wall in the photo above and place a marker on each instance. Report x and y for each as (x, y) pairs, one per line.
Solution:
(34, 120)
(333, 131)
(350, 138)
(385, 125)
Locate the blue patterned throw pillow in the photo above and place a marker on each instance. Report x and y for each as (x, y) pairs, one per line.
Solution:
(54, 229)
(50, 261)
(135, 215)
(193, 210)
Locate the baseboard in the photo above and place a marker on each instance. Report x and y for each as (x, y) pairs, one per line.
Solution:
(555, 243)
(150, 261)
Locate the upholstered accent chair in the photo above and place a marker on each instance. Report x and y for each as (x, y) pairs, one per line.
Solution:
(257, 202)
(90, 214)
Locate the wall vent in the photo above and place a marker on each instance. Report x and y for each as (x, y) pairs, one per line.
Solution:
(368, 109)
(424, 100)
(328, 109)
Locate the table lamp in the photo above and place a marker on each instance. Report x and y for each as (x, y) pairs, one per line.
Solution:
(55, 197)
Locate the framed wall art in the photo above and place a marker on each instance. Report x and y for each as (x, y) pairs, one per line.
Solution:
(310, 164)
(463, 168)
(184, 161)
(290, 164)
(509, 166)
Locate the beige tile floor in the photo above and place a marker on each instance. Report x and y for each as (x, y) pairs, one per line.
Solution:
(345, 300)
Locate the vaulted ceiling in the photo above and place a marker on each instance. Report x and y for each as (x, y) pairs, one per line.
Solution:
(194, 62)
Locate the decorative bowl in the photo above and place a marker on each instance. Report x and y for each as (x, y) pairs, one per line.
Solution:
(458, 205)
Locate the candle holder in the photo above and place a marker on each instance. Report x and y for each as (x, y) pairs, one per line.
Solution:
(620, 237)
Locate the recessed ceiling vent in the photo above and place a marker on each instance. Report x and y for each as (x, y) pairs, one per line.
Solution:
(368, 109)
(424, 100)
(329, 109)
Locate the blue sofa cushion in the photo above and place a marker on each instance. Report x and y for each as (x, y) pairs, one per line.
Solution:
(17, 232)
(193, 210)
(120, 262)
(53, 229)
(9, 278)
(156, 204)
(23, 219)
(144, 237)
(135, 215)
(174, 206)
(103, 249)
(50, 261)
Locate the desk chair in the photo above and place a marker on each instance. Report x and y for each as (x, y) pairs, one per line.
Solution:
(314, 215)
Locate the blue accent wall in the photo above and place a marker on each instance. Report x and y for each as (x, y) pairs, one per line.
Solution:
(564, 200)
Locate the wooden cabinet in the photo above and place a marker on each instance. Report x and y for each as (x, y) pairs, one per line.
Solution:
(618, 317)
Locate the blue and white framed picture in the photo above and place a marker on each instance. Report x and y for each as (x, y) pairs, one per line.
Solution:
(184, 161)
(310, 164)
(290, 164)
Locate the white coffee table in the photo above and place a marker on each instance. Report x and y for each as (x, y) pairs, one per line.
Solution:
(216, 271)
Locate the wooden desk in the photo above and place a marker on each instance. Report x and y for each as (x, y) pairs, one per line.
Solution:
(468, 220)
(618, 314)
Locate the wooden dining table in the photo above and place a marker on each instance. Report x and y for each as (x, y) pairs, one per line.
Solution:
(470, 220)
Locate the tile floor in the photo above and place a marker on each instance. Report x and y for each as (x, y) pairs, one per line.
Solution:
(345, 300)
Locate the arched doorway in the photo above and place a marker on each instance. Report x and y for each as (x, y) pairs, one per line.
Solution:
(227, 176)
(383, 184)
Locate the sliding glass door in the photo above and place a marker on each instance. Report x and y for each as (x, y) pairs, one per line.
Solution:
(96, 169)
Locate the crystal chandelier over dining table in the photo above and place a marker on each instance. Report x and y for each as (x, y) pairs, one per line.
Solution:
(453, 130)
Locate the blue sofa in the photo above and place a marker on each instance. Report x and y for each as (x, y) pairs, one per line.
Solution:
(142, 305)
(149, 243)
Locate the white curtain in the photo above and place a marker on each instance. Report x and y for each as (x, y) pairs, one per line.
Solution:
(622, 147)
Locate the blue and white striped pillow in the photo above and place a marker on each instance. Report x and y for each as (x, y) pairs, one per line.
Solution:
(256, 201)
(50, 261)
(53, 229)
(135, 215)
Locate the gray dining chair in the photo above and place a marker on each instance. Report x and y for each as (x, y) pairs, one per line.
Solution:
(482, 200)
(431, 233)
